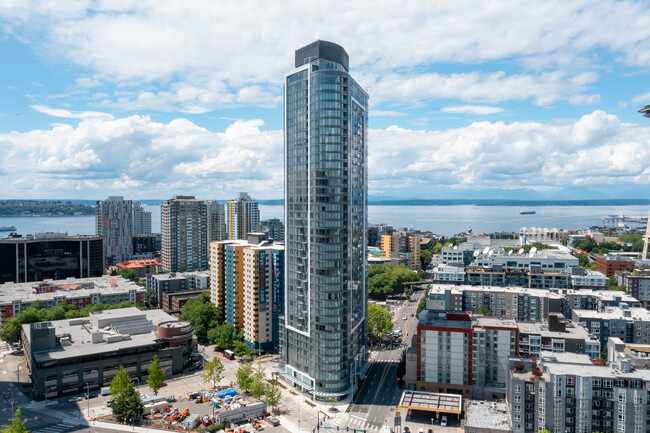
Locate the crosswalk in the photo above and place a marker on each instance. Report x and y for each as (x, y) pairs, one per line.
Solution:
(55, 428)
(66, 419)
(351, 423)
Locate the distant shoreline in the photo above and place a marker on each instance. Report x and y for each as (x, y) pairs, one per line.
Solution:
(45, 216)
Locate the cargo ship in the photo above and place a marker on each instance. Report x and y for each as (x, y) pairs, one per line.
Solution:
(7, 228)
(526, 212)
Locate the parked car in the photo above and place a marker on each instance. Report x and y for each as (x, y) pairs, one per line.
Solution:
(443, 421)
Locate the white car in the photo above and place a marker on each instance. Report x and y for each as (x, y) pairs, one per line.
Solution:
(405, 317)
(443, 421)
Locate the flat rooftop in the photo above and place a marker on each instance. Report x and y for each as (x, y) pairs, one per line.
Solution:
(70, 287)
(103, 331)
(431, 401)
(573, 331)
(487, 415)
(636, 313)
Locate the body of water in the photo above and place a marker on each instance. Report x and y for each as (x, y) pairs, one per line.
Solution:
(446, 220)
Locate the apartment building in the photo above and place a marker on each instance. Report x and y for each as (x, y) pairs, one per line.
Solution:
(402, 247)
(630, 324)
(637, 283)
(242, 216)
(184, 234)
(75, 292)
(556, 335)
(457, 352)
(609, 265)
(568, 393)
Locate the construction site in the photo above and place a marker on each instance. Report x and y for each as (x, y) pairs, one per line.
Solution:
(225, 409)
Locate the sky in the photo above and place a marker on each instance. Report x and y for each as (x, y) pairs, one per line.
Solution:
(468, 99)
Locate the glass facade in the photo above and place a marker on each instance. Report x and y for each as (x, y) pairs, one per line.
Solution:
(322, 336)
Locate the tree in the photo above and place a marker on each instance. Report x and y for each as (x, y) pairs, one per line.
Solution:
(121, 382)
(421, 306)
(201, 313)
(224, 336)
(128, 405)
(244, 375)
(425, 257)
(583, 259)
(272, 394)
(150, 299)
(156, 375)
(242, 349)
(388, 279)
(16, 426)
(484, 310)
(127, 273)
(213, 372)
(258, 381)
(380, 321)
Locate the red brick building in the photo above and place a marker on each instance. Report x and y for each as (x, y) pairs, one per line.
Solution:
(609, 265)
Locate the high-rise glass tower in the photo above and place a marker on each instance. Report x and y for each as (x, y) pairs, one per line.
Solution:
(323, 330)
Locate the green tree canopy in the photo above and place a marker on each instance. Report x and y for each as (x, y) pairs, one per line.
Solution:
(201, 313)
(16, 426)
(244, 375)
(380, 321)
(388, 279)
(273, 394)
(258, 381)
(156, 375)
(121, 382)
(242, 349)
(213, 372)
(128, 405)
(224, 336)
(425, 257)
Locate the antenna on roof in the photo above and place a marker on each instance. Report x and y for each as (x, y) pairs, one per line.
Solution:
(521, 250)
(533, 250)
(485, 250)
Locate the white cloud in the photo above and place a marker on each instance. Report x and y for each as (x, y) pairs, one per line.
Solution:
(60, 112)
(247, 46)
(643, 98)
(386, 113)
(472, 109)
(116, 156)
(578, 99)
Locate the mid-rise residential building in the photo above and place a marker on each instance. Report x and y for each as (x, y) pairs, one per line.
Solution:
(323, 331)
(460, 353)
(172, 302)
(242, 216)
(75, 292)
(217, 229)
(630, 324)
(53, 256)
(534, 277)
(184, 234)
(72, 355)
(637, 284)
(247, 286)
(274, 227)
(402, 247)
(539, 234)
(175, 282)
(556, 335)
(524, 304)
(568, 393)
(609, 265)
(582, 278)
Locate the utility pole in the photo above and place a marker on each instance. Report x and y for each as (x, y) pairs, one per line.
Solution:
(88, 398)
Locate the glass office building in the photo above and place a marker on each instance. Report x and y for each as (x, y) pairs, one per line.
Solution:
(322, 334)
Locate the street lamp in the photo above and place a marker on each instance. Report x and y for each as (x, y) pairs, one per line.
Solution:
(88, 398)
(12, 402)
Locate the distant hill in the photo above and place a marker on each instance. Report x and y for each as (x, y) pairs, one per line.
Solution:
(17, 208)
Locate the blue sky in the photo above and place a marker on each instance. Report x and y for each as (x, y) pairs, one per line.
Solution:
(500, 99)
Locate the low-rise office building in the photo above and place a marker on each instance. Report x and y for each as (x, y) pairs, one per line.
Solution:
(66, 356)
(75, 292)
(609, 265)
(462, 254)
